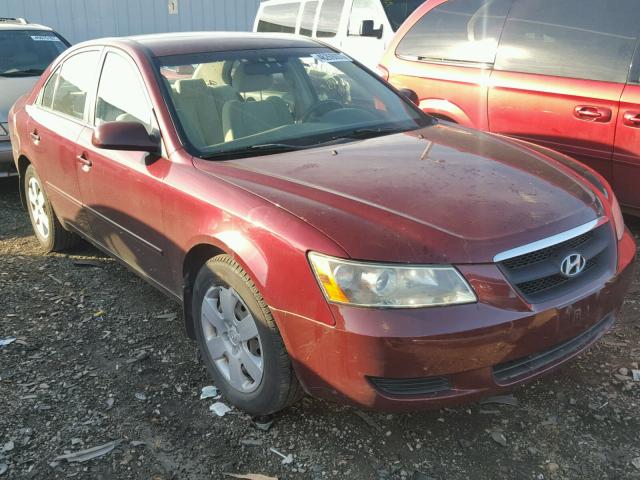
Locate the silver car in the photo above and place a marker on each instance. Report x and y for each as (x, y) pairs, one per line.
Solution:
(26, 50)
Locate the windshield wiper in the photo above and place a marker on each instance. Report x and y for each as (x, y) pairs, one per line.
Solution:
(30, 72)
(261, 148)
(360, 133)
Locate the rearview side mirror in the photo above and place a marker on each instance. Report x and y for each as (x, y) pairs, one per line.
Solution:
(411, 95)
(131, 136)
(367, 29)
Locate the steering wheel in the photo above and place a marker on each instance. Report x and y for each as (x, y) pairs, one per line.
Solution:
(320, 108)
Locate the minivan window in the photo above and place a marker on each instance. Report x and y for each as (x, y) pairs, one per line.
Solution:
(308, 17)
(121, 95)
(329, 19)
(587, 39)
(362, 10)
(279, 18)
(28, 52)
(398, 10)
(457, 31)
(77, 77)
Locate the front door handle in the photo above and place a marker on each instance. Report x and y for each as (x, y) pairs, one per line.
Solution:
(35, 137)
(632, 119)
(592, 114)
(86, 163)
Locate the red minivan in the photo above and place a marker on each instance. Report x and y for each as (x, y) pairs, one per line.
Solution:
(563, 74)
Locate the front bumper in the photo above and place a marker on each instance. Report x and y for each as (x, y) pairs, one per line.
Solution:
(7, 167)
(398, 360)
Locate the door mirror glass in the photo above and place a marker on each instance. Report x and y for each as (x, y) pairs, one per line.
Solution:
(131, 136)
(367, 29)
(411, 95)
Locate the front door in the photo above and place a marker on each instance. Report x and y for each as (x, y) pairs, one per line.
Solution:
(559, 74)
(123, 190)
(626, 154)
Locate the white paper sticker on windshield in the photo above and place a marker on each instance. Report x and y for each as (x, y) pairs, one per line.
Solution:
(332, 57)
(45, 38)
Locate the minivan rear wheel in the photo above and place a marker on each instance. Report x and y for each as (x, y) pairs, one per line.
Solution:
(46, 226)
(239, 341)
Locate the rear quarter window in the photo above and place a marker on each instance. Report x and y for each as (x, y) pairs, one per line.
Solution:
(457, 31)
(587, 39)
(279, 18)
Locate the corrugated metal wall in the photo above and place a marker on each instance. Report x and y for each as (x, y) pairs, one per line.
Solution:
(79, 20)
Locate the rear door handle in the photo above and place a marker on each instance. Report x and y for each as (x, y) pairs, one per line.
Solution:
(86, 163)
(632, 119)
(35, 137)
(591, 113)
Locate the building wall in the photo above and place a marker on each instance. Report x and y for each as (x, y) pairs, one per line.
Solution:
(79, 20)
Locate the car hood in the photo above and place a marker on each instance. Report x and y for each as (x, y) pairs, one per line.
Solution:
(440, 194)
(11, 89)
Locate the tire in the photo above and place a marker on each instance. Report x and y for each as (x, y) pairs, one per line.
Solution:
(223, 293)
(46, 226)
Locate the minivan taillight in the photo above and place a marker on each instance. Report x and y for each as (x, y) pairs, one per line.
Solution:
(383, 72)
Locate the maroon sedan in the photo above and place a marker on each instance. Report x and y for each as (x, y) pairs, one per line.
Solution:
(322, 233)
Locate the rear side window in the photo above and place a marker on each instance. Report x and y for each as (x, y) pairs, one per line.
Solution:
(329, 19)
(308, 17)
(279, 18)
(76, 80)
(588, 39)
(457, 31)
(121, 95)
(49, 89)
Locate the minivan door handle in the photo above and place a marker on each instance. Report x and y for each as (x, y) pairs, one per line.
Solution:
(592, 114)
(86, 163)
(632, 119)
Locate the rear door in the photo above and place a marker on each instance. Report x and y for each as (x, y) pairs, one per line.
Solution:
(559, 74)
(447, 55)
(626, 154)
(123, 190)
(55, 122)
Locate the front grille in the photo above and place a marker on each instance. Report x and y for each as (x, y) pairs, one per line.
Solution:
(410, 386)
(536, 275)
(514, 370)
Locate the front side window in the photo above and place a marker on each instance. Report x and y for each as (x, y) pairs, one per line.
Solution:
(362, 10)
(398, 10)
(308, 17)
(76, 80)
(280, 99)
(121, 94)
(329, 19)
(589, 39)
(464, 31)
(26, 53)
(279, 18)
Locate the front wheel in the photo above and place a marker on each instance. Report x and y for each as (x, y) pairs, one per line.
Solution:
(49, 232)
(239, 341)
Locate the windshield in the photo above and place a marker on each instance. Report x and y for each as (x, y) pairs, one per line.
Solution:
(398, 10)
(236, 103)
(26, 53)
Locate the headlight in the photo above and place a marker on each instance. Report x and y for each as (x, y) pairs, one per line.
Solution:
(618, 219)
(389, 286)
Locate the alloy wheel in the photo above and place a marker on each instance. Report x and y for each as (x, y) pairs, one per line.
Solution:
(37, 208)
(232, 338)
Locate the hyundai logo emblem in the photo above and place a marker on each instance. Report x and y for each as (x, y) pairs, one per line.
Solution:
(573, 265)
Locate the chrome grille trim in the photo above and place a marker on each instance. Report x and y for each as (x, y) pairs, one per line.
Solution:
(550, 241)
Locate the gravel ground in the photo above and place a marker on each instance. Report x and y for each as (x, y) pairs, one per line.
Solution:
(101, 357)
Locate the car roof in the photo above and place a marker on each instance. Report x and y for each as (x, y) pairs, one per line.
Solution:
(164, 44)
(20, 24)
